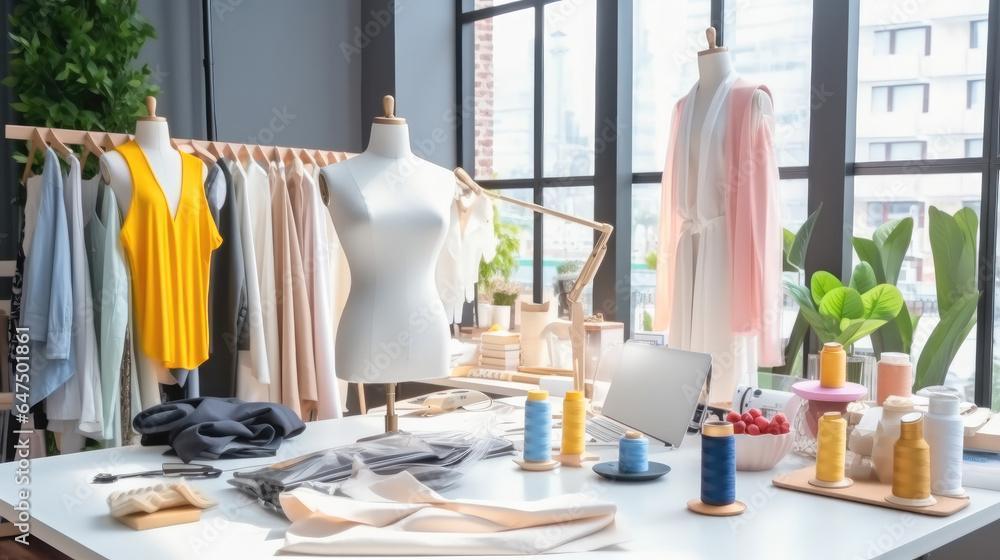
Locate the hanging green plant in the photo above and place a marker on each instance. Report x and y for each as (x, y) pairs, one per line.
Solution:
(73, 64)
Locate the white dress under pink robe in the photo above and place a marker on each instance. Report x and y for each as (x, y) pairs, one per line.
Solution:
(720, 222)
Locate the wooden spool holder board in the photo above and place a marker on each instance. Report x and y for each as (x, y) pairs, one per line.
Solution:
(866, 492)
(164, 518)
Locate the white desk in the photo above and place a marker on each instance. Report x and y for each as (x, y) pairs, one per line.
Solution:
(71, 514)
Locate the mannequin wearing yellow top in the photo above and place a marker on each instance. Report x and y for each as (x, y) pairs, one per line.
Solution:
(152, 135)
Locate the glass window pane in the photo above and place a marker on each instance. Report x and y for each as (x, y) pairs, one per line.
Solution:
(645, 238)
(570, 66)
(978, 32)
(974, 147)
(921, 91)
(910, 41)
(770, 42)
(566, 245)
(879, 199)
(524, 221)
(504, 96)
(977, 93)
(667, 35)
(883, 42)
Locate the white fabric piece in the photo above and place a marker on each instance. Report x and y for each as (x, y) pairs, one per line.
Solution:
(252, 373)
(77, 405)
(701, 310)
(470, 238)
(340, 278)
(259, 197)
(398, 515)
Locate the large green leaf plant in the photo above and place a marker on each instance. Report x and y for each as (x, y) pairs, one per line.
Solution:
(73, 64)
(885, 252)
(953, 246)
(846, 314)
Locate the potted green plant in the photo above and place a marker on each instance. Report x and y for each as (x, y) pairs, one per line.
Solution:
(846, 314)
(505, 294)
(501, 268)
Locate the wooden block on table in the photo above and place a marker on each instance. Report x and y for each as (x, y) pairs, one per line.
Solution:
(866, 492)
(513, 354)
(500, 363)
(500, 337)
(163, 518)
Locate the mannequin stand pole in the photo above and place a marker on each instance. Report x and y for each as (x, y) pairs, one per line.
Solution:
(391, 419)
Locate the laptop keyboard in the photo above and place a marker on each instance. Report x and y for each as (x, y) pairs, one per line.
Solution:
(605, 430)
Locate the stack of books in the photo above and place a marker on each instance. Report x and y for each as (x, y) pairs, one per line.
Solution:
(501, 350)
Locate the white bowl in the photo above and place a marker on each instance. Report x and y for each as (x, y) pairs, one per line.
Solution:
(763, 452)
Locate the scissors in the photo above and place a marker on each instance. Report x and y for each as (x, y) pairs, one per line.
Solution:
(185, 470)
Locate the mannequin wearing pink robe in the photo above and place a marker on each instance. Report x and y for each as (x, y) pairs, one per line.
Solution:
(718, 288)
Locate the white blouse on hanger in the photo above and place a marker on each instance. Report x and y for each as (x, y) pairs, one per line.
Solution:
(259, 197)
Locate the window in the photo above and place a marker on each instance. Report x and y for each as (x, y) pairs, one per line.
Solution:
(973, 147)
(975, 94)
(569, 89)
(897, 151)
(913, 40)
(770, 42)
(667, 35)
(919, 138)
(504, 121)
(977, 33)
(908, 98)
(535, 150)
(926, 94)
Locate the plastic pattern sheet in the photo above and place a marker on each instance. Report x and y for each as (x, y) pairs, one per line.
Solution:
(436, 459)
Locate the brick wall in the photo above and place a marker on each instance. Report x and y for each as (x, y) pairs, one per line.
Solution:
(484, 98)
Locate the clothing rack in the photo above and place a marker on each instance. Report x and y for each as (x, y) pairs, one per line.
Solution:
(204, 149)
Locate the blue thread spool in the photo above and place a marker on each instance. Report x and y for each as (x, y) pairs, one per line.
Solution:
(718, 464)
(633, 453)
(537, 427)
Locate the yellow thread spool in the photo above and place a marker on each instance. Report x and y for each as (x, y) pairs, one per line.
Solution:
(832, 366)
(573, 423)
(831, 452)
(911, 464)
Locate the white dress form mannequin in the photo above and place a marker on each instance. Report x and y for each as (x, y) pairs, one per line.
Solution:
(391, 210)
(700, 319)
(152, 135)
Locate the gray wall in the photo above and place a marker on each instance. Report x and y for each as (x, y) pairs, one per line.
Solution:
(425, 77)
(280, 74)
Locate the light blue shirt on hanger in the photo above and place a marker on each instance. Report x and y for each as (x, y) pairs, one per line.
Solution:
(48, 290)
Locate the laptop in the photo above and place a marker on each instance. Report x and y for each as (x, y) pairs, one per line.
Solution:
(655, 391)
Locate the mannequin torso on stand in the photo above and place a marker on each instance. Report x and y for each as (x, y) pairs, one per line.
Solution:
(391, 210)
(701, 313)
(152, 134)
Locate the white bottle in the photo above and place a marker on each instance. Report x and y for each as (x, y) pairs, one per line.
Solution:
(894, 408)
(944, 433)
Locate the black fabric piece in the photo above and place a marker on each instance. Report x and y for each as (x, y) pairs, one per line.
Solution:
(16, 287)
(227, 297)
(213, 428)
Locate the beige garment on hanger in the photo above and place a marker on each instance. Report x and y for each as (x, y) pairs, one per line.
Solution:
(298, 372)
(310, 226)
(259, 195)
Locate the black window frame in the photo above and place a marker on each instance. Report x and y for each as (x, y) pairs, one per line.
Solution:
(831, 165)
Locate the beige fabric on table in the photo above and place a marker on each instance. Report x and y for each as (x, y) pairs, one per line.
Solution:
(298, 373)
(398, 515)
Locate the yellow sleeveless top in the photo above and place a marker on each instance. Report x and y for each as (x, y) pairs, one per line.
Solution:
(170, 258)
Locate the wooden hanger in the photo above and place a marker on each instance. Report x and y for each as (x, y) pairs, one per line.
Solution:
(202, 153)
(712, 46)
(305, 157)
(243, 154)
(213, 148)
(57, 144)
(35, 143)
(90, 146)
(320, 158)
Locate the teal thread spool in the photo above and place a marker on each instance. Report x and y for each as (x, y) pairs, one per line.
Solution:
(633, 453)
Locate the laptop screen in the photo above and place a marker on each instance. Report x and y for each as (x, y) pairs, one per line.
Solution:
(655, 390)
